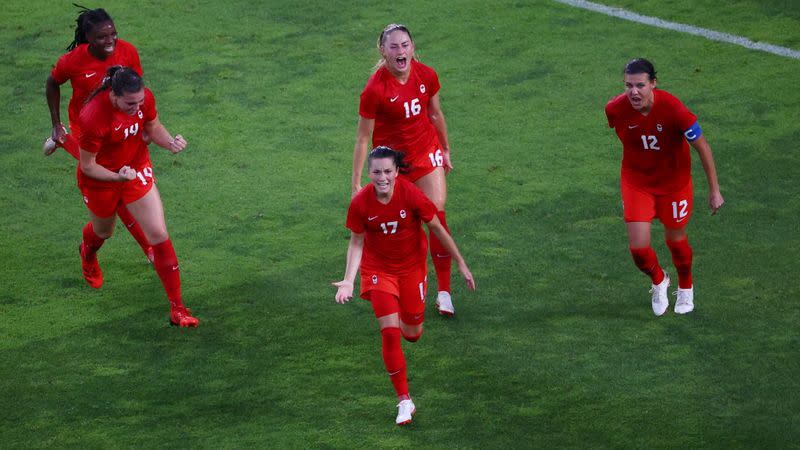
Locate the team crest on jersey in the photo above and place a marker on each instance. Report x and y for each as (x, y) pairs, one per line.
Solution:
(402, 213)
(422, 88)
(658, 127)
(374, 279)
(141, 116)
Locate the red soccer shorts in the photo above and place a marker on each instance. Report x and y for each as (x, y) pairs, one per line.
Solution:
(409, 289)
(103, 201)
(673, 210)
(423, 163)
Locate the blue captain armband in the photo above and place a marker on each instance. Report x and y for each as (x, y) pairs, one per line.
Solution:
(693, 133)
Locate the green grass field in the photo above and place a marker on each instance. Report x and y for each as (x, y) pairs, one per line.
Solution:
(557, 348)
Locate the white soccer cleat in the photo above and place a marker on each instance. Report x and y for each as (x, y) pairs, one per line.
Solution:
(49, 146)
(660, 299)
(444, 303)
(685, 303)
(405, 412)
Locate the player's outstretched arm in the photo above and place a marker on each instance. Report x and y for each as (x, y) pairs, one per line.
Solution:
(447, 241)
(715, 200)
(355, 248)
(159, 134)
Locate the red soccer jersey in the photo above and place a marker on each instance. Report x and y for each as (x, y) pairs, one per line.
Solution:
(394, 242)
(655, 153)
(85, 72)
(401, 110)
(114, 136)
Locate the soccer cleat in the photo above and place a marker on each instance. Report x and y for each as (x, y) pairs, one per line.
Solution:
(444, 303)
(405, 411)
(91, 269)
(151, 255)
(180, 316)
(685, 303)
(49, 146)
(660, 299)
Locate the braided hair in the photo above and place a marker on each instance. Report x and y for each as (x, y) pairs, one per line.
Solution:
(87, 20)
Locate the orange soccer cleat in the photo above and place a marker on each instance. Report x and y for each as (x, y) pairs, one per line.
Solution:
(180, 316)
(91, 269)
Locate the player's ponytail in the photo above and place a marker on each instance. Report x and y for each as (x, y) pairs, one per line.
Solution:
(87, 20)
(120, 80)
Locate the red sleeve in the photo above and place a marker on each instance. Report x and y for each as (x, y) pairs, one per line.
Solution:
(131, 58)
(149, 106)
(368, 106)
(609, 115)
(62, 71)
(135, 63)
(683, 117)
(92, 132)
(433, 83)
(355, 218)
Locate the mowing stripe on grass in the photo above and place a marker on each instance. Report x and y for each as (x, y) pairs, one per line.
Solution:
(683, 28)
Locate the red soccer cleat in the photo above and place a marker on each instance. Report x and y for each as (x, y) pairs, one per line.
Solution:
(180, 316)
(91, 269)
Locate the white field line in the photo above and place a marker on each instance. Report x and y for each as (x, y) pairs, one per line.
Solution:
(689, 29)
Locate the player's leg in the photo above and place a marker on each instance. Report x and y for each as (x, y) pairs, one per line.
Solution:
(434, 186)
(675, 211)
(149, 213)
(386, 308)
(101, 204)
(413, 288)
(136, 231)
(638, 210)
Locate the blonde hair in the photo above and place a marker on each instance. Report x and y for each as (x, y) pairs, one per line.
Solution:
(389, 29)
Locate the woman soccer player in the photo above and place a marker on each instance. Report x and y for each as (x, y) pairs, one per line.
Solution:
(115, 169)
(400, 109)
(94, 49)
(389, 246)
(656, 181)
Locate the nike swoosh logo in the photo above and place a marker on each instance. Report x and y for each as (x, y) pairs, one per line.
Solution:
(174, 267)
(393, 99)
(89, 75)
(372, 218)
(630, 127)
(117, 128)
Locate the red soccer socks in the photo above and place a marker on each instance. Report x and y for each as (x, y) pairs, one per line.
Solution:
(136, 231)
(88, 251)
(394, 360)
(647, 261)
(166, 265)
(442, 261)
(682, 258)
